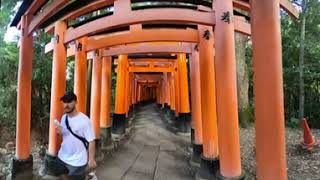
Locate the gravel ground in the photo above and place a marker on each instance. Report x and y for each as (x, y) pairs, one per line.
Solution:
(301, 165)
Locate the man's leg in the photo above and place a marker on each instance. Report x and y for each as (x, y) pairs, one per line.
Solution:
(77, 173)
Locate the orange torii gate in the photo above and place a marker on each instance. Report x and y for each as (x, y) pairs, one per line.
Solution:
(215, 121)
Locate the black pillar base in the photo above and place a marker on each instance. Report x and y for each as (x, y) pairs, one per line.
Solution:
(22, 169)
(165, 108)
(208, 168)
(220, 177)
(51, 166)
(192, 136)
(106, 138)
(99, 156)
(172, 113)
(168, 109)
(118, 123)
(184, 123)
(127, 123)
(129, 112)
(196, 154)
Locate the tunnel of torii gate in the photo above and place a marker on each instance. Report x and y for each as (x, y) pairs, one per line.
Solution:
(152, 46)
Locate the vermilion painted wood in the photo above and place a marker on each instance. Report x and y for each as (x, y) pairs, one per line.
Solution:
(80, 75)
(58, 85)
(139, 36)
(120, 86)
(148, 48)
(245, 6)
(177, 89)
(226, 93)
(95, 106)
(46, 14)
(172, 92)
(183, 81)
(268, 91)
(175, 35)
(105, 120)
(23, 120)
(98, 4)
(196, 96)
(141, 16)
(208, 94)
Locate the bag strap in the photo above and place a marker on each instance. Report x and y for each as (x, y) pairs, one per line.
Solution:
(82, 139)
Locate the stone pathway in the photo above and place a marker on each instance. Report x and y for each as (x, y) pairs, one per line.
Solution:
(151, 152)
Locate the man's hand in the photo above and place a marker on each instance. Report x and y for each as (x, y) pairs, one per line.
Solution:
(92, 164)
(58, 127)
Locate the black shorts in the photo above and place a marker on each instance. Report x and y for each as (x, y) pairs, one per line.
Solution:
(73, 172)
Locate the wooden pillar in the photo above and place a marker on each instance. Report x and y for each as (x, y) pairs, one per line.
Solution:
(134, 93)
(139, 93)
(166, 89)
(119, 116)
(127, 90)
(177, 91)
(226, 78)
(95, 106)
(105, 121)
(80, 74)
(184, 110)
(22, 163)
(158, 96)
(172, 92)
(196, 105)
(268, 90)
(58, 84)
(196, 96)
(23, 119)
(130, 92)
(208, 103)
(162, 91)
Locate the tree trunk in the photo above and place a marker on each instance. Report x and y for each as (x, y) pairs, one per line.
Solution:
(242, 80)
(301, 60)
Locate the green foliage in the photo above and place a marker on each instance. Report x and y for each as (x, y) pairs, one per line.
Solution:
(8, 82)
(41, 83)
(291, 44)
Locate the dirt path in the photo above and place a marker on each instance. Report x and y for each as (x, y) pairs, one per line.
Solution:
(150, 152)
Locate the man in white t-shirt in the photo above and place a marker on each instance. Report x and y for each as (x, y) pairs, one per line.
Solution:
(73, 154)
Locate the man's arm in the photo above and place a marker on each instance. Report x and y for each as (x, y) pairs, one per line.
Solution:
(92, 150)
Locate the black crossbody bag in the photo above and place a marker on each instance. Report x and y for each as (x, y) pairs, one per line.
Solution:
(82, 139)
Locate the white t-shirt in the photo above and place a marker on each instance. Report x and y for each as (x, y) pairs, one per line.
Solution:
(72, 150)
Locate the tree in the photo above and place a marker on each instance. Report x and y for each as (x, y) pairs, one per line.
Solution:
(304, 46)
(245, 114)
(301, 58)
(8, 68)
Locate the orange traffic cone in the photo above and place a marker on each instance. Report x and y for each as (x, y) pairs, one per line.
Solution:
(308, 139)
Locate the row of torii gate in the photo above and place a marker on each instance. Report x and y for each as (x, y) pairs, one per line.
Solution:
(210, 46)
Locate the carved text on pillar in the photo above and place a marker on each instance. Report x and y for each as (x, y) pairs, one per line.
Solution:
(196, 47)
(79, 47)
(226, 17)
(207, 34)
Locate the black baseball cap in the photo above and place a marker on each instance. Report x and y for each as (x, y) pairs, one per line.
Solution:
(68, 97)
